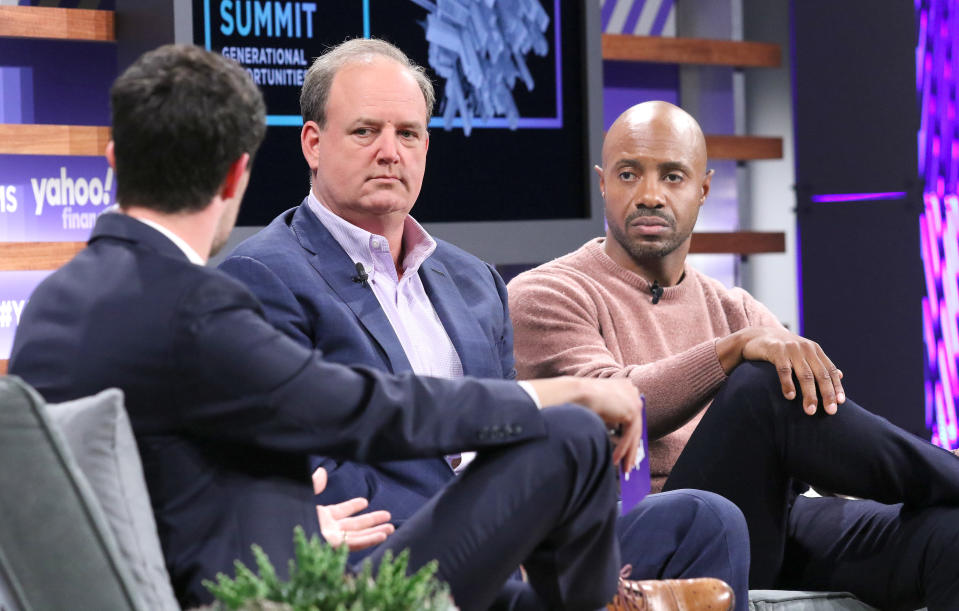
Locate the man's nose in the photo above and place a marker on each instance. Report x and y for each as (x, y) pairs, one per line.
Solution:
(389, 151)
(650, 194)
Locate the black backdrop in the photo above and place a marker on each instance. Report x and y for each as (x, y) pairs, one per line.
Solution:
(856, 119)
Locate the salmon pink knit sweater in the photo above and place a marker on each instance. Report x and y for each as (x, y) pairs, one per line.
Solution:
(585, 315)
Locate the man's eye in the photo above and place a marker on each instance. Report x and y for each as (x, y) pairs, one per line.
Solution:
(673, 177)
(362, 131)
(627, 175)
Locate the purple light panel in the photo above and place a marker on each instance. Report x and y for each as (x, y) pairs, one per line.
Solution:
(937, 65)
(857, 197)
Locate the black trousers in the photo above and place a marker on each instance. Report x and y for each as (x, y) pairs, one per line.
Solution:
(549, 504)
(900, 549)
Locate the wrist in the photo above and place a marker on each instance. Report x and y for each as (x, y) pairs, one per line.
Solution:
(729, 349)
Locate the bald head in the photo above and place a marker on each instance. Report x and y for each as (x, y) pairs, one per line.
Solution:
(657, 126)
(654, 181)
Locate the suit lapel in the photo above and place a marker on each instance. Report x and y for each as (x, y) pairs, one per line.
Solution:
(332, 263)
(471, 343)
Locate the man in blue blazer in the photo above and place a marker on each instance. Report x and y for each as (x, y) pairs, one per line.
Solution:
(351, 273)
(226, 409)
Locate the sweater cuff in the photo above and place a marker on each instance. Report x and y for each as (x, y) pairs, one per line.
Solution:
(706, 372)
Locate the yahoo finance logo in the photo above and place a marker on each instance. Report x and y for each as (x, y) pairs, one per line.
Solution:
(53, 199)
(72, 195)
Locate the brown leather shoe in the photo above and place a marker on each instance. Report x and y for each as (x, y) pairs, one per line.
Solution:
(703, 594)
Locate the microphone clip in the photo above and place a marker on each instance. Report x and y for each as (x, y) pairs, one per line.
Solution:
(657, 291)
(361, 276)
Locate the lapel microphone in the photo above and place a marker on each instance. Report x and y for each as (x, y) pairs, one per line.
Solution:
(361, 276)
(656, 290)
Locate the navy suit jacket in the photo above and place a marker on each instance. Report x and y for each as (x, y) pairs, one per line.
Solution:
(305, 281)
(226, 409)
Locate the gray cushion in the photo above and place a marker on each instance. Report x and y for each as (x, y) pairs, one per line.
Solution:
(56, 550)
(98, 432)
(782, 600)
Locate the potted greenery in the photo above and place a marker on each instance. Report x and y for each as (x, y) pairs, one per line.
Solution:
(319, 581)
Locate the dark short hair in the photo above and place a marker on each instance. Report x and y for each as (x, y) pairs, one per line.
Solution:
(181, 116)
(319, 77)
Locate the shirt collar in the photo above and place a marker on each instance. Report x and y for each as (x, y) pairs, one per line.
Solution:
(362, 246)
(191, 254)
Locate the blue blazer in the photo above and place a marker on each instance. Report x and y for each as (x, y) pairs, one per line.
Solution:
(305, 281)
(227, 410)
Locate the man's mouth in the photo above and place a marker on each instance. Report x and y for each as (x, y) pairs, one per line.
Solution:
(649, 224)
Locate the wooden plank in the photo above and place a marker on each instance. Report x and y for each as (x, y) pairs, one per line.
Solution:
(738, 242)
(20, 256)
(3, 367)
(743, 148)
(60, 23)
(16, 139)
(670, 50)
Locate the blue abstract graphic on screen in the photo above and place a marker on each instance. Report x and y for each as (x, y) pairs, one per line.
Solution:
(479, 48)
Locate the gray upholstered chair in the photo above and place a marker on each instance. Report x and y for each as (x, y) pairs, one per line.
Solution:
(76, 528)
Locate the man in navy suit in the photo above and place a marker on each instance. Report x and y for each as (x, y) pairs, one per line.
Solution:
(226, 409)
(351, 273)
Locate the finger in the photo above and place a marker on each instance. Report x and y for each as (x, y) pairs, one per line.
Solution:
(319, 480)
(631, 417)
(784, 370)
(347, 508)
(366, 520)
(628, 447)
(804, 373)
(820, 367)
(357, 542)
(835, 375)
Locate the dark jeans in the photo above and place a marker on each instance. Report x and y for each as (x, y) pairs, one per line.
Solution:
(687, 533)
(898, 550)
(549, 504)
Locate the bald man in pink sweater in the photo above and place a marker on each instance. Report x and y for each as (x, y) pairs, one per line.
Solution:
(733, 398)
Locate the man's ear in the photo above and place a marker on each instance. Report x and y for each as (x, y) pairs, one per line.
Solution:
(602, 179)
(706, 184)
(233, 182)
(309, 142)
(108, 152)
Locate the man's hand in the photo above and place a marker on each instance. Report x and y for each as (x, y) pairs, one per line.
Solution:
(615, 401)
(793, 356)
(338, 526)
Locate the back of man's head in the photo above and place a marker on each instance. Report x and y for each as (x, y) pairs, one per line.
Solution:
(319, 78)
(181, 115)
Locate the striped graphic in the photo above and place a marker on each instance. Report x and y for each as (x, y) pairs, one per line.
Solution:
(639, 17)
(938, 140)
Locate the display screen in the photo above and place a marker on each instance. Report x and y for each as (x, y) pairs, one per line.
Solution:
(508, 138)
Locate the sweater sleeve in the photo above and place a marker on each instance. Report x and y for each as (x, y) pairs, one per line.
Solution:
(560, 330)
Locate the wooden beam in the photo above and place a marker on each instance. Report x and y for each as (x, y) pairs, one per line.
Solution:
(25, 256)
(671, 50)
(743, 148)
(738, 242)
(16, 139)
(61, 23)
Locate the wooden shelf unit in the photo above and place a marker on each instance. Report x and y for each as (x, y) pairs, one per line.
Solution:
(25, 256)
(743, 148)
(26, 139)
(738, 242)
(700, 51)
(57, 23)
